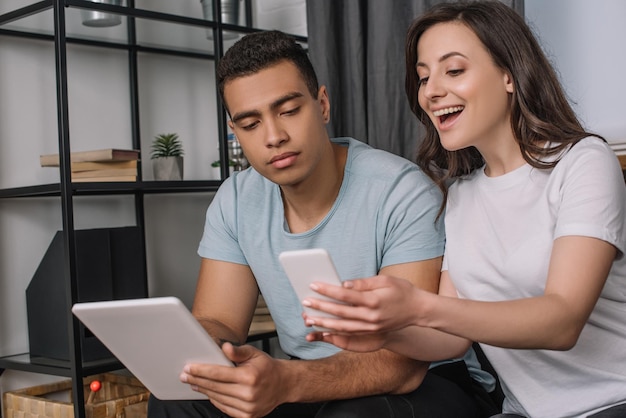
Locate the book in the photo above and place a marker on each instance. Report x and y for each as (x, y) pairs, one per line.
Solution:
(104, 179)
(107, 172)
(101, 165)
(109, 154)
(261, 326)
(622, 160)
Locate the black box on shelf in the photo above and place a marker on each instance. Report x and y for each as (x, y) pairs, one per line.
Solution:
(109, 266)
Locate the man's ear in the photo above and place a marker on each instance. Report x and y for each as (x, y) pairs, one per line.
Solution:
(322, 98)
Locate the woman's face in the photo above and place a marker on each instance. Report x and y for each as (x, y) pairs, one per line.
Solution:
(461, 90)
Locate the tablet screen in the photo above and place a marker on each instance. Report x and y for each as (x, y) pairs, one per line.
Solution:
(154, 338)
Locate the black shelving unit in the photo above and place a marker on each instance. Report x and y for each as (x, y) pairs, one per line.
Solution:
(76, 368)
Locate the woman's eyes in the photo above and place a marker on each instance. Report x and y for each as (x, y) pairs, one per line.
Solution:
(453, 73)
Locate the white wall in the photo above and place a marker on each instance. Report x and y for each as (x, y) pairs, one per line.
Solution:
(585, 40)
(176, 95)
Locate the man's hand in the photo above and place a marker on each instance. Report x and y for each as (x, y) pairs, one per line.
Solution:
(252, 389)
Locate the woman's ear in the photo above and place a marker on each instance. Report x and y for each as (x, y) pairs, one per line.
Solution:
(508, 83)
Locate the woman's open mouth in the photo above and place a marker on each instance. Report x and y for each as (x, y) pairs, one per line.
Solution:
(447, 113)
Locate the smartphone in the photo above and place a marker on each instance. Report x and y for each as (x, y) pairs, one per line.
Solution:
(304, 267)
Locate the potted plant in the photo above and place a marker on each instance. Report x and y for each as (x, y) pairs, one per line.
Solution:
(215, 168)
(167, 157)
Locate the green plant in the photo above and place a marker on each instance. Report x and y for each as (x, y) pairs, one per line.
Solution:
(217, 163)
(166, 145)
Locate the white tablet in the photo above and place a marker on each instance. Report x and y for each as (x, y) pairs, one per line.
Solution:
(154, 338)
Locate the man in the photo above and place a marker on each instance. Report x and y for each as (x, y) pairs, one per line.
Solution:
(373, 211)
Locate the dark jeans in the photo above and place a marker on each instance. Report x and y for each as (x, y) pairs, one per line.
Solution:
(437, 397)
(618, 411)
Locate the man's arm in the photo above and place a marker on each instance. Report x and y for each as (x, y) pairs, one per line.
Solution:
(344, 375)
(261, 383)
(225, 300)
(350, 375)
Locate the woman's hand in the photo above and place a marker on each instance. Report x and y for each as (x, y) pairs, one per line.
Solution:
(361, 343)
(378, 304)
(383, 312)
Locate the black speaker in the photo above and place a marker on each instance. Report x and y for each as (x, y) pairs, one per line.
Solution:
(109, 266)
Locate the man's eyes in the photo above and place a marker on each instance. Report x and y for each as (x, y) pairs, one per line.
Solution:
(292, 111)
(249, 126)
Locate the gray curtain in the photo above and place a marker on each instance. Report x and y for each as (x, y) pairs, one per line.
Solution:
(357, 48)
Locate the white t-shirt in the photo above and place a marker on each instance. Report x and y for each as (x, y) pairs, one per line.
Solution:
(500, 233)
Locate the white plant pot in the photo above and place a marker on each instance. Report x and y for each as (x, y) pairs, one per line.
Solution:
(98, 19)
(230, 15)
(167, 168)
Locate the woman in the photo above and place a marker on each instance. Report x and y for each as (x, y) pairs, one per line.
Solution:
(534, 268)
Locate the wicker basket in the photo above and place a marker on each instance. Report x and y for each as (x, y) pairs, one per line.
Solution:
(119, 397)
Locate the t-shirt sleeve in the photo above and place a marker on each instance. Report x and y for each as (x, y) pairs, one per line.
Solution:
(219, 239)
(412, 230)
(444, 262)
(593, 195)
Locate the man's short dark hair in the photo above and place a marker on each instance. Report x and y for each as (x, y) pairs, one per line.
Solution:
(260, 50)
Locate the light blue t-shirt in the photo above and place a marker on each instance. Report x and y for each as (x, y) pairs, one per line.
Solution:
(384, 214)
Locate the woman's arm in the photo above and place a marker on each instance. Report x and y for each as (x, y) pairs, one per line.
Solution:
(578, 270)
(392, 328)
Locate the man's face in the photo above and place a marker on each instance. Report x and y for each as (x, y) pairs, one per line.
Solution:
(280, 126)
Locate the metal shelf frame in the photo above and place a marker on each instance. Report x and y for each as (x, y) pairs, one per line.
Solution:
(76, 368)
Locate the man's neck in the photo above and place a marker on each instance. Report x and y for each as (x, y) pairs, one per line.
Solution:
(306, 206)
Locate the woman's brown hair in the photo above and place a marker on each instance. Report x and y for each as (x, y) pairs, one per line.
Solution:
(542, 120)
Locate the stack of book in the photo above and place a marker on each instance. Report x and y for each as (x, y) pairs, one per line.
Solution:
(262, 320)
(99, 165)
